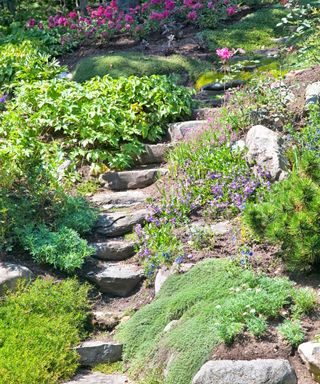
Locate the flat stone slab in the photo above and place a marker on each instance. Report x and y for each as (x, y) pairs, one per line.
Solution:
(135, 179)
(115, 224)
(246, 372)
(310, 354)
(114, 250)
(116, 279)
(154, 153)
(217, 86)
(10, 274)
(107, 199)
(95, 352)
(99, 378)
(186, 129)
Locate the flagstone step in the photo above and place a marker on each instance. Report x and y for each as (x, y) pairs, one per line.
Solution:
(186, 129)
(114, 224)
(134, 179)
(117, 279)
(114, 249)
(99, 378)
(94, 352)
(107, 200)
(154, 154)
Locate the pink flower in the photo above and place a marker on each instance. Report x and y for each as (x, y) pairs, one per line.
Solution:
(224, 53)
(101, 22)
(73, 15)
(31, 23)
(169, 5)
(231, 10)
(40, 25)
(73, 26)
(188, 3)
(197, 6)
(129, 19)
(192, 15)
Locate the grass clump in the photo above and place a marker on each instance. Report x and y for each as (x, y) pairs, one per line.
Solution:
(252, 32)
(39, 325)
(213, 303)
(129, 63)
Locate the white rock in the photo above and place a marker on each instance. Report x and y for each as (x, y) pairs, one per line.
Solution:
(265, 151)
(310, 354)
(10, 274)
(186, 129)
(313, 93)
(161, 276)
(246, 372)
(170, 326)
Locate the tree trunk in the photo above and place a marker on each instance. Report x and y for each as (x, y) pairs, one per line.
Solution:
(83, 6)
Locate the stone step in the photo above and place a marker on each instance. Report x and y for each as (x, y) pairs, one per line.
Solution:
(114, 249)
(218, 87)
(115, 278)
(10, 274)
(134, 179)
(107, 200)
(154, 154)
(204, 113)
(99, 378)
(114, 224)
(94, 352)
(186, 129)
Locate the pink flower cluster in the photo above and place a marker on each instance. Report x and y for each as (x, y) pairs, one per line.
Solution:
(224, 53)
(106, 19)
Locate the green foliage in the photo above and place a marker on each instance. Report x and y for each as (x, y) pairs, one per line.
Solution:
(25, 63)
(102, 120)
(39, 326)
(129, 63)
(63, 249)
(252, 32)
(292, 332)
(305, 301)
(214, 302)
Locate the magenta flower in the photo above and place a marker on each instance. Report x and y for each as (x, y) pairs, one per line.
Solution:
(224, 53)
(31, 23)
(192, 15)
(231, 10)
(73, 15)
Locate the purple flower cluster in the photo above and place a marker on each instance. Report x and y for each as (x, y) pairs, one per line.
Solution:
(3, 98)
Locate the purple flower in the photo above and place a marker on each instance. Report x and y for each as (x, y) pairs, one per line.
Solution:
(3, 98)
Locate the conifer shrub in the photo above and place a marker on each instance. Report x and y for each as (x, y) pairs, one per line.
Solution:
(39, 326)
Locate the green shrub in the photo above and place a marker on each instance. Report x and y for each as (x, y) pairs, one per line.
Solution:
(102, 120)
(39, 326)
(290, 216)
(292, 332)
(63, 249)
(214, 302)
(129, 63)
(25, 63)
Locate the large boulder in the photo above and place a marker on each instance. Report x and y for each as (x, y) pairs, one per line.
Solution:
(115, 224)
(116, 279)
(95, 352)
(313, 93)
(246, 372)
(99, 378)
(310, 354)
(154, 153)
(10, 274)
(265, 151)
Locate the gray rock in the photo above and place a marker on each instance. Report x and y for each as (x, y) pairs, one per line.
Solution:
(114, 250)
(239, 145)
(221, 228)
(107, 199)
(186, 130)
(313, 94)
(104, 320)
(99, 378)
(116, 279)
(170, 326)
(223, 86)
(246, 372)
(95, 352)
(154, 153)
(115, 224)
(140, 178)
(310, 354)
(265, 151)
(10, 274)
(161, 277)
(204, 113)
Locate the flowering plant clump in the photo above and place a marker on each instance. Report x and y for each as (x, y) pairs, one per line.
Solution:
(211, 177)
(106, 20)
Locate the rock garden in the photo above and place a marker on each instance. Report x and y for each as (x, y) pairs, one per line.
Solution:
(159, 192)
